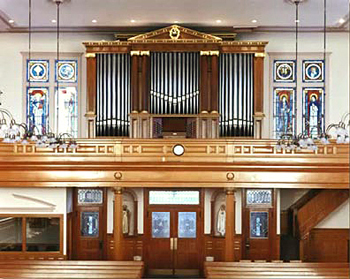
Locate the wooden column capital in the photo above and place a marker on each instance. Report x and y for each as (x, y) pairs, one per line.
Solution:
(118, 190)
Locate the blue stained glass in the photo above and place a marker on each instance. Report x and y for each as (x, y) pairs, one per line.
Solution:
(66, 70)
(313, 111)
(187, 225)
(38, 70)
(90, 224)
(160, 224)
(67, 110)
(284, 111)
(38, 109)
(259, 224)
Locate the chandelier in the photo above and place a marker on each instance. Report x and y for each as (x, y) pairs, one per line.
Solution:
(14, 132)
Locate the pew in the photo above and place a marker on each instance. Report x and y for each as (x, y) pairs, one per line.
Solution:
(21, 269)
(275, 270)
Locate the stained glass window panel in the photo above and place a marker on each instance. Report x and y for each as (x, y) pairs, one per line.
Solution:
(259, 224)
(174, 197)
(313, 111)
(160, 224)
(38, 70)
(43, 234)
(284, 111)
(66, 71)
(90, 196)
(259, 197)
(67, 110)
(313, 71)
(187, 224)
(38, 109)
(10, 234)
(90, 224)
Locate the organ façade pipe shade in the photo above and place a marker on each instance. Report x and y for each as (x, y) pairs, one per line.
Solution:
(236, 89)
(174, 83)
(113, 103)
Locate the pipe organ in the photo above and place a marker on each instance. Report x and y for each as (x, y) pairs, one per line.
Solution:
(113, 94)
(236, 94)
(135, 86)
(174, 83)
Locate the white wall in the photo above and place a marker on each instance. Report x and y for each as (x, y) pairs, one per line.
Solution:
(10, 204)
(338, 219)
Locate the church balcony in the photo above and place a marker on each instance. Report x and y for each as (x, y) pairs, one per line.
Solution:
(237, 163)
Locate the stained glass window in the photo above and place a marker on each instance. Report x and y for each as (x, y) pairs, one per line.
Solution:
(313, 70)
(259, 197)
(90, 224)
(38, 109)
(187, 224)
(90, 196)
(66, 70)
(174, 197)
(284, 111)
(259, 224)
(67, 110)
(284, 71)
(313, 111)
(38, 70)
(160, 224)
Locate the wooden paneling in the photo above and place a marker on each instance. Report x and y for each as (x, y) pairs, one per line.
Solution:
(215, 247)
(132, 246)
(329, 245)
(205, 163)
(318, 208)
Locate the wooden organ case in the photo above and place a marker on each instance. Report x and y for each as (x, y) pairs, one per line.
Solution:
(197, 83)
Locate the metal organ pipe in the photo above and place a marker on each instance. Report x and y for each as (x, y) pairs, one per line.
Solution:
(113, 102)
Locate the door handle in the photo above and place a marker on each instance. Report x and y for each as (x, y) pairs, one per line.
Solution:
(171, 244)
(247, 245)
(175, 244)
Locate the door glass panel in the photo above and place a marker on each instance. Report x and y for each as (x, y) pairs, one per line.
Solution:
(89, 224)
(160, 224)
(187, 224)
(259, 224)
(173, 197)
(10, 234)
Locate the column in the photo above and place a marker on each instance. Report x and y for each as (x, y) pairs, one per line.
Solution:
(135, 81)
(204, 82)
(145, 80)
(91, 93)
(214, 82)
(118, 224)
(258, 94)
(230, 225)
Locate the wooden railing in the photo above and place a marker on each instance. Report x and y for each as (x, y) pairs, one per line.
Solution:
(150, 162)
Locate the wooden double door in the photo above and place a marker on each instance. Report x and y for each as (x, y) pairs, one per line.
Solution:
(174, 240)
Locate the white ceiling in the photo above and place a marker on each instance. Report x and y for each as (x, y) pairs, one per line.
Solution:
(118, 13)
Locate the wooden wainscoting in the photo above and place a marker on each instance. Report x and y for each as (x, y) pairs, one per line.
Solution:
(214, 247)
(32, 256)
(328, 245)
(132, 246)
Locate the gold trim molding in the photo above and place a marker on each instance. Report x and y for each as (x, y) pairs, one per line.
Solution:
(210, 52)
(90, 55)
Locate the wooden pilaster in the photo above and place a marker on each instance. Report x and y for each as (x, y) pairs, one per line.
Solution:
(91, 93)
(230, 226)
(145, 81)
(118, 224)
(258, 94)
(134, 82)
(204, 94)
(214, 92)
